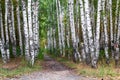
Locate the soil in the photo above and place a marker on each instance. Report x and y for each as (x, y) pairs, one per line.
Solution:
(13, 64)
(53, 70)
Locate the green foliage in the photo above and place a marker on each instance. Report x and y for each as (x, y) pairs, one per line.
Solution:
(41, 54)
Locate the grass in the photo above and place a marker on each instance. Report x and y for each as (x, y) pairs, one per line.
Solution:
(108, 72)
(22, 69)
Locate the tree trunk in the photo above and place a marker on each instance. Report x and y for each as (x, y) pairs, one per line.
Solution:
(105, 30)
(4, 58)
(97, 36)
(26, 34)
(116, 20)
(6, 32)
(84, 33)
(58, 23)
(77, 56)
(19, 28)
(31, 43)
(13, 29)
(90, 36)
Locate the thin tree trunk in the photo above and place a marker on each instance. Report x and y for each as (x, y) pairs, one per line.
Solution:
(105, 30)
(111, 26)
(97, 36)
(31, 42)
(58, 23)
(2, 40)
(6, 32)
(116, 20)
(4, 58)
(76, 54)
(35, 8)
(1, 24)
(90, 36)
(13, 29)
(84, 33)
(19, 28)
(26, 34)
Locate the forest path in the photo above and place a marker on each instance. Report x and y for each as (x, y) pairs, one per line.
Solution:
(53, 70)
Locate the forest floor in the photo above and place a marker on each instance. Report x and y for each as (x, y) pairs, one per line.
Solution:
(52, 70)
(56, 68)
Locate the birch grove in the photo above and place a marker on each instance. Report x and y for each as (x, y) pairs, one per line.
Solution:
(16, 35)
(81, 30)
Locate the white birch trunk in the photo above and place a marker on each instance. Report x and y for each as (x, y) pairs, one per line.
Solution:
(6, 31)
(1, 24)
(26, 34)
(48, 39)
(19, 28)
(62, 31)
(73, 35)
(54, 38)
(4, 58)
(77, 23)
(58, 23)
(51, 39)
(97, 36)
(31, 42)
(84, 32)
(35, 10)
(90, 36)
(105, 29)
(118, 31)
(111, 25)
(13, 29)
(116, 20)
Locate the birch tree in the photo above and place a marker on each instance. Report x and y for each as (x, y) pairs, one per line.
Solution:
(105, 30)
(97, 36)
(35, 9)
(116, 20)
(26, 35)
(6, 32)
(84, 32)
(2, 41)
(111, 25)
(4, 56)
(76, 54)
(1, 24)
(19, 27)
(31, 43)
(90, 36)
(58, 24)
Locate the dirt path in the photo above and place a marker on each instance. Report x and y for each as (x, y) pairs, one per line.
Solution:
(52, 70)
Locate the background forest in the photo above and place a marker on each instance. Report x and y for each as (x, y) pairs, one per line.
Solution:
(85, 31)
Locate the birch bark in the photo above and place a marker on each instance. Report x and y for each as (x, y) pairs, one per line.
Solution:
(97, 36)
(90, 36)
(58, 23)
(1, 24)
(6, 32)
(13, 29)
(76, 54)
(31, 43)
(19, 28)
(105, 30)
(26, 35)
(116, 20)
(84, 32)
(4, 57)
